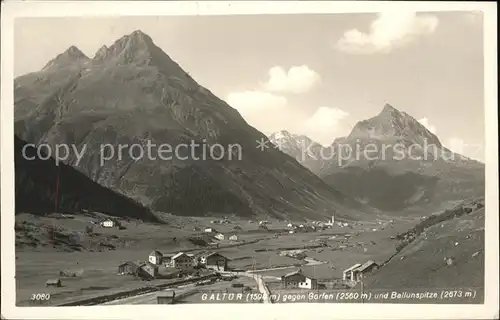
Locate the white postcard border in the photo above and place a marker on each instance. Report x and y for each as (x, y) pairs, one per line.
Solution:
(12, 10)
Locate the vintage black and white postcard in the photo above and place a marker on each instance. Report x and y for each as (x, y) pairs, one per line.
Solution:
(287, 160)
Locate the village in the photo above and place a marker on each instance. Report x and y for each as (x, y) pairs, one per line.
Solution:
(183, 276)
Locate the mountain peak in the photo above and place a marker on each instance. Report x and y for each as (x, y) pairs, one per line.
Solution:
(101, 53)
(138, 40)
(134, 48)
(389, 109)
(138, 49)
(282, 134)
(72, 55)
(139, 35)
(73, 51)
(392, 123)
(300, 147)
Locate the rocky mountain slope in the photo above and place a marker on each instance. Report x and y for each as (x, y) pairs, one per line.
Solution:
(392, 162)
(300, 147)
(134, 93)
(37, 180)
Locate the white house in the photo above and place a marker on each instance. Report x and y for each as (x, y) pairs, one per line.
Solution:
(209, 230)
(291, 232)
(308, 283)
(155, 257)
(219, 236)
(108, 223)
(297, 279)
(233, 237)
(289, 225)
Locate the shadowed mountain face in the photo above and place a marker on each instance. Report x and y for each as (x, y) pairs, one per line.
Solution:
(37, 181)
(132, 93)
(392, 162)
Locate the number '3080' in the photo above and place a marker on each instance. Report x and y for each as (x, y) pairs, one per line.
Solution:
(40, 296)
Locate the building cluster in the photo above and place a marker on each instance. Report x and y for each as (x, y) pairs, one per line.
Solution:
(294, 228)
(188, 263)
(315, 226)
(221, 236)
(224, 220)
(300, 280)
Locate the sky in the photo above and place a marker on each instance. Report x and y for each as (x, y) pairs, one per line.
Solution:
(315, 75)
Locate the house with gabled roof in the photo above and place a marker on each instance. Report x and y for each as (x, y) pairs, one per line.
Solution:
(216, 261)
(356, 271)
(233, 237)
(148, 271)
(155, 257)
(359, 272)
(347, 273)
(212, 260)
(297, 279)
(128, 267)
(181, 260)
(219, 236)
(107, 223)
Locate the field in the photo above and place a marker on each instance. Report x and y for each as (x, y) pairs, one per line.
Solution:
(449, 254)
(270, 253)
(95, 267)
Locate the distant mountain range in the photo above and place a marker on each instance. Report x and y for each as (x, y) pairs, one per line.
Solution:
(302, 148)
(391, 162)
(134, 93)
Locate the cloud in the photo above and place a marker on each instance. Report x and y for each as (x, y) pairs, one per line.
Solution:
(430, 127)
(260, 109)
(390, 30)
(246, 100)
(268, 113)
(298, 79)
(326, 124)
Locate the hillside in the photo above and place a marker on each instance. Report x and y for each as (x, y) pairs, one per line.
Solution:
(438, 252)
(133, 93)
(36, 183)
